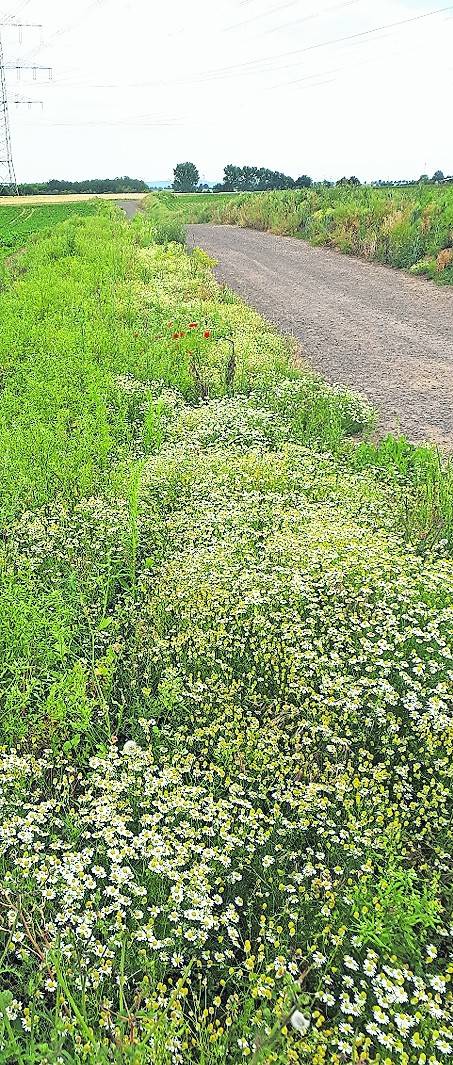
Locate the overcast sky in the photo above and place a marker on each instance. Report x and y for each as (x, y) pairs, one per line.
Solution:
(303, 86)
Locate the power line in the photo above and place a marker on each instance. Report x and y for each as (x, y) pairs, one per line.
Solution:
(5, 20)
(281, 7)
(67, 27)
(237, 67)
(345, 68)
(253, 66)
(261, 65)
(309, 18)
(260, 14)
(147, 119)
(115, 123)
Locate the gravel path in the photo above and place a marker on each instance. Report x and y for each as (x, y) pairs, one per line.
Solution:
(130, 207)
(379, 331)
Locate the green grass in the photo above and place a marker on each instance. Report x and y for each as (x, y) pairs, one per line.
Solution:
(197, 206)
(411, 228)
(170, 213)
(226, 655)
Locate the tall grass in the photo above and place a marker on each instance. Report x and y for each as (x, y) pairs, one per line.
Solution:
(170, 213)
(410, 228)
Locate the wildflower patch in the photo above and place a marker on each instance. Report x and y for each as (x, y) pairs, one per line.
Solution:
(227, 662)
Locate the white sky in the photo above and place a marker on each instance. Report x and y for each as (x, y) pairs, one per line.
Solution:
(139, 85)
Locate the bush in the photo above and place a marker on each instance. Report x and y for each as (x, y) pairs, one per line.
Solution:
(168, 231)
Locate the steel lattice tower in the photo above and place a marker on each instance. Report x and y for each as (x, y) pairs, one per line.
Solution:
(7, 173)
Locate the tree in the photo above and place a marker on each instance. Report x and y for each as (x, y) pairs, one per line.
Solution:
(253, 179)
(349, 181)
(186, 177)
(438, 176)
(273, 179)
(303, 182)
(230, 177)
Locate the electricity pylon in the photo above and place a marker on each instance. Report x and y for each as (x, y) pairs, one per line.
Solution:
(7, 172)
(8, 181)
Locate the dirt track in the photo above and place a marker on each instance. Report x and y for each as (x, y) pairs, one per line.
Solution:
(379, 331)
(130, 207)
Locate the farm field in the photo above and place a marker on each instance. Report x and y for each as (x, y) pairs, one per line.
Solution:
(19, 223)
(226, 648)
(70, 197)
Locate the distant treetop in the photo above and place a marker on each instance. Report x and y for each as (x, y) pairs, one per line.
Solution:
(186, 177)
(349, 181)
(258, 179)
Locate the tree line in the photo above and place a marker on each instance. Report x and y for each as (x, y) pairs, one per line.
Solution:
(187, 179)
(260, 179)
(438, 178)
(237, 179)
(93, 186)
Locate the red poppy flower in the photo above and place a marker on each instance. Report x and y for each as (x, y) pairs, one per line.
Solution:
(206, 334)
(193, 325)
(176, 336)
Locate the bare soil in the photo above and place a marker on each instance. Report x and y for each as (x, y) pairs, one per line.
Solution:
(378, 331)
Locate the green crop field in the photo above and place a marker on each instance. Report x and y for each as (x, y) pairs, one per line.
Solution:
(226, 699)
(18, 224)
